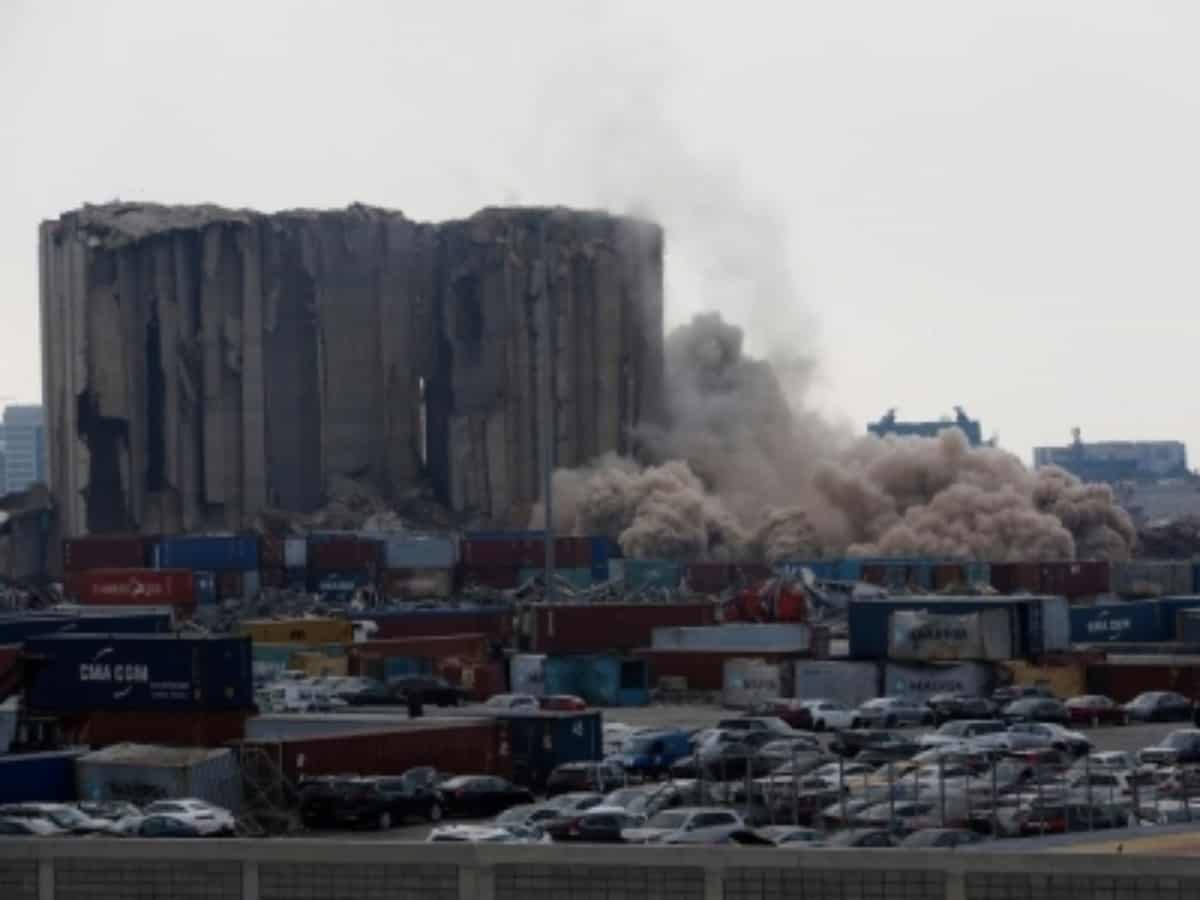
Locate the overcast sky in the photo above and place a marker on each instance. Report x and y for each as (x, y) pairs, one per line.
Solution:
(985, 204)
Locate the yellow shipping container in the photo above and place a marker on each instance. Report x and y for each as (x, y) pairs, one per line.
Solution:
(1068, 680)
(316, 664)
(300, 631)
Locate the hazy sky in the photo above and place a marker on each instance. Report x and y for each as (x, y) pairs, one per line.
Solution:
(986, 204)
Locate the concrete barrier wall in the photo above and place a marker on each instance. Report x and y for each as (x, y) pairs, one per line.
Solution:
(328, 870)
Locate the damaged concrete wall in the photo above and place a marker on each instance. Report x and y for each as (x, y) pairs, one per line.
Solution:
(202, 365)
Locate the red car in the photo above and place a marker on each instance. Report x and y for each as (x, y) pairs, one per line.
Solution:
(1094, 709)
(794, 712)
(563, 703)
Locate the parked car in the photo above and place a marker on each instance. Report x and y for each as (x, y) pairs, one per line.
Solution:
(111, 811)
(889, 712)
(65, 818)
(672, 821)
(858, 741)
(778, 752)
(513, 701)
(794, 713)
(1178, 748)
(941, 838)
(429, 689)
(603, 776)
(1036, 709)
(1095, 710)
(563, 703)
(598, 825)
(207, 818)
(829, 715)
(1006, 695)
(528, 815)
(949, 707)
(1159, 706)
(34, 827)
(958, 730)
(1049, 734)
(720, 835)
(379, 802)
(861, 837)
(772, 724)
(479, 795)
(169, 826)
(652, 752)
(484, 834)
(367, 692)
(575, 801)
(1106, 761)
(792, 835)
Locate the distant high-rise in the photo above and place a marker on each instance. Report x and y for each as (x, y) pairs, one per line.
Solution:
(889, 425)
(24, 447)
(1113, 461)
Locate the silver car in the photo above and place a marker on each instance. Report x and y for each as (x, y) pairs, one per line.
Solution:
(889, 712)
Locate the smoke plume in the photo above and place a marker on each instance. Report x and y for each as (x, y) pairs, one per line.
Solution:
(739, 470)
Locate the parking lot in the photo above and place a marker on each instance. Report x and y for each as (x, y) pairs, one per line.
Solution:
(1128, 738)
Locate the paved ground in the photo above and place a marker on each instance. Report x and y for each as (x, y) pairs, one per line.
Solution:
(1132, 737)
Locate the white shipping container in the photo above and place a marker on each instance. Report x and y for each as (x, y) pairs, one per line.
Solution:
(769, 637)
(849, 682)
(1056, 624)
(920, 682)
(527, 673)
(419, 552)
(916, 634)
(745, 683)
(295, 553)
(251, 584)
(143, 773)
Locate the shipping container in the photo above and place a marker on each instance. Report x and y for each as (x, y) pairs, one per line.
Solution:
(338, 587)
(747, 683)
(601, 680)
(527, 673)
(1123, 679)
(208, 553)
(899, 574)
(133, 587)
(525, 550)
(1169, 609)
(1134, 622)
(137, 672)
(648, 574)
(842, 680)
(271, 552)
(318, 665)
(713, 578)
(471, 647)
(344, 554)
(409, 551)
(206, 588)
(1079, 578)
(1067, 678)
(918, 635)
(567, 628)
(451, 745)
(147, 620)
(741, 637)
(494, 621)
(542, 741)
(106, 551)
(417, 584)
(500, 578)
(921, 681)
(576, 579)
(177, 728)
(145, 773)
(701, 670)
(38, 777)
(299, 631)
(1187, 626)
(295, 553)
(482, 680)
(1195, 578)
(1151, 578)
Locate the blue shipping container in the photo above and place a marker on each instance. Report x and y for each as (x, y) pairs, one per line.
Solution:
(15, 629)
(206, 588)
(1124, 622)
(399, 666)
(1169, 609)
(542, 741)
(81, 672)
(39, 777)
(600, 680)
(224, 553)
(640, 574)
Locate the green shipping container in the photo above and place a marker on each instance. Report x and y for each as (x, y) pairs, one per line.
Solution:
(544, 740)
(643, 574)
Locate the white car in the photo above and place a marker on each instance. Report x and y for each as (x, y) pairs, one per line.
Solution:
(205, 817)
(673, 821)
(32, 827)
(513, 701)
(62, 816)
(487, 834)
(829, 715)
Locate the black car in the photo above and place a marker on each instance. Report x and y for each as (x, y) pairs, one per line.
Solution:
(586, 776)
(930, 838)
(1036, 709)
(1179, 748)
(861, 837)
(379, 802)
(1160, 706)
(167, 827)
(602, 827)
(1006, 695)
(951, 707)
(374, 694)
(881, 746)
(480, 795)
(426, 688)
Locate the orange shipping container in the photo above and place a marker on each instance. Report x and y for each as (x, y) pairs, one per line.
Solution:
(132, 587)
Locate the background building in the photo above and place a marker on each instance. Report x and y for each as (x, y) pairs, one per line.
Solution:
(1113, 461)
(888, 425)
(205, 366)
(24, 447)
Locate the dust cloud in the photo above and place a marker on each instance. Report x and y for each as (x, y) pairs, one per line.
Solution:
(740, 470)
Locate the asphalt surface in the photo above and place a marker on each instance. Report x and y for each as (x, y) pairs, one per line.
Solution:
(1130, 738)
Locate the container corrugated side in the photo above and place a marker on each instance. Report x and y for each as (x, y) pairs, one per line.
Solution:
(843, 681)
(1151, 578)
(526, 673)
(295, 553)
(142, 774)
(605, 627)
(1138, 621)
(776, 637)
(81, 672)
(496, 622)
(1123, 681)
(128, 551)
(651, 574)
(748, 682)
(920, 682)
(419, 552)
(133, 587)
(38, 777)
(578, 579)
(701, 670)
(215, 553)
(299, 631)
(183, 728)
(543, 741)
(868, 620)
(14, 629)
(1169, 609)
(413, 584)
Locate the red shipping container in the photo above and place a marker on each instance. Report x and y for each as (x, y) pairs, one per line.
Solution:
(947, 575)
(344, 555)
(466, 646)
(229, 584)
(495, 623)
(105, 551)
(273, 578)
(502, 578)
(132, 587)
(1012, 578)
(466, 746)
(1083, 578)
(520, 553)
(708, 578)
(189, 728)
(603, 627)
(10, 673)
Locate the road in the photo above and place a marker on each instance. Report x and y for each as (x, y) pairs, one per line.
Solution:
(1128, 738)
